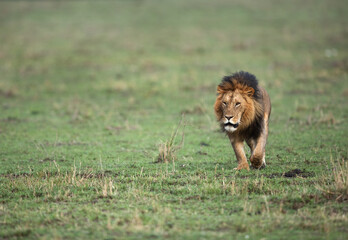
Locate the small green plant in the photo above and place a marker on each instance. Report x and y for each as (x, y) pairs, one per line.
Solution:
(167, 149)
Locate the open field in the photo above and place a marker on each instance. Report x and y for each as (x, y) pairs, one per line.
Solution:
(89, 92)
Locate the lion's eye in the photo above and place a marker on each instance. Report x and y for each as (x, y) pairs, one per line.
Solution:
(224, 103)
(237, 104)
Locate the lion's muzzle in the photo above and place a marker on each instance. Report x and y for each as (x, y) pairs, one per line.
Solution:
(230, 127)
(231, 124)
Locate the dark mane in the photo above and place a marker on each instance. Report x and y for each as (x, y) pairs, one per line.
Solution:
(255, 128)
(244, 78)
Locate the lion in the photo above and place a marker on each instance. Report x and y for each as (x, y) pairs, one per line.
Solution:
(243, 109)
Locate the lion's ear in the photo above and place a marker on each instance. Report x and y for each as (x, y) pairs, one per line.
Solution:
(249, 91)
(219, 89)
(217, 108)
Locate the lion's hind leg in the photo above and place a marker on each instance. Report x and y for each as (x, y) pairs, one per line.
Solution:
(264, 160)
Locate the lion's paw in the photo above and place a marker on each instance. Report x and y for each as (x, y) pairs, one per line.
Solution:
(242, 166)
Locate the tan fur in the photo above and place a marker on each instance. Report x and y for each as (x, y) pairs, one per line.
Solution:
(227, 109)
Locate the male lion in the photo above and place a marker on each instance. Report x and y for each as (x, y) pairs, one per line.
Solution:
(243, 109)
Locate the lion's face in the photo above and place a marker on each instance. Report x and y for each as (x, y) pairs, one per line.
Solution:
(230, 108)
(233, 106)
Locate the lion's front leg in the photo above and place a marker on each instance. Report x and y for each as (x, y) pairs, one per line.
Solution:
(257, 147)
(238, 148)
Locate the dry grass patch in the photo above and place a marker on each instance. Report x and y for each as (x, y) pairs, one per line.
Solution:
(167, 149)
(335, 186)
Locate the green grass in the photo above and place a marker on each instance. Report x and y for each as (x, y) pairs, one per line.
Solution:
(89, 92)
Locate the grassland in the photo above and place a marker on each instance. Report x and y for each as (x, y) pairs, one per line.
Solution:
(89, 92)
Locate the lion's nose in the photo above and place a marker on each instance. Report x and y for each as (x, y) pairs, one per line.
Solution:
(228, 117)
